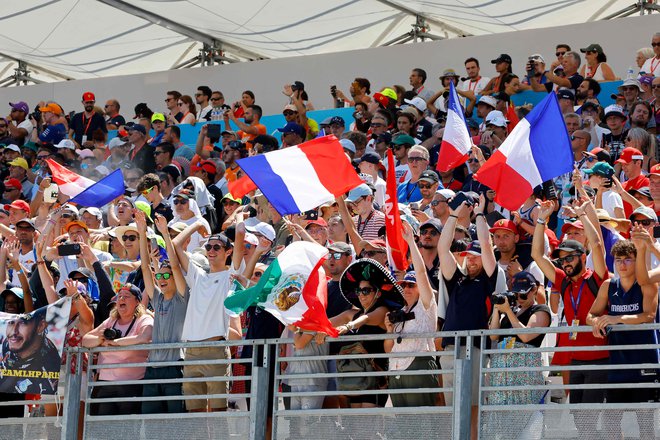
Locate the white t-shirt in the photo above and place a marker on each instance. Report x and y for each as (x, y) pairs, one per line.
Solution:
(205, 111)
(475, 87)
(533, 268)
(27, 260)
(27, 125)
(612, 200)
(207, 316)
(651, 66)
(381, 189)
(70, 262)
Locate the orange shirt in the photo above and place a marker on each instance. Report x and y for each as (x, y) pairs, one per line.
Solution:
(231, 174)
(245, 137)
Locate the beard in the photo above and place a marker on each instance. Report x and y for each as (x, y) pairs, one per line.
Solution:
(89, 108)
(572, 271)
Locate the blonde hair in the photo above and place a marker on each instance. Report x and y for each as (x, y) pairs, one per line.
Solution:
(139, 311)
(646, 52)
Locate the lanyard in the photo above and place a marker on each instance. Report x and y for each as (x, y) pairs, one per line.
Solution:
(364, 225)
(575, 305)
(89, 121)
(591, 73)
(409, 193)
(475, 82)
(654, 65)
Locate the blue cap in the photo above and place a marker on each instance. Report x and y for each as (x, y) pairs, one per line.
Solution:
(137, 127)
(409, 277)
(348, 144)
(474, 248)
(292, 127)
(337, 120)
(357, 192)
(370, 157)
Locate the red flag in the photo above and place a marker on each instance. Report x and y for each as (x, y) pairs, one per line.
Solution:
(397, 248)
(238, 188)
(511, 116)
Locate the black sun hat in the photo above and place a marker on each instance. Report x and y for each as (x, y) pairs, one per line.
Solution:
(379, 276)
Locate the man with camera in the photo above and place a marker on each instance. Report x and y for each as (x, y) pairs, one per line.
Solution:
(249, 129)
(536, 78)
(470, 288)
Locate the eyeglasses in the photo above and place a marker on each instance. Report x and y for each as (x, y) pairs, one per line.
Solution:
(567, 259)
(163, 276)
(429, 231)
(180, 201)
(371, 254)
(643, 222)
(148, 190)
(655, 86)
(158, 152)
(407, 284)
(377, 124)
(437, 202)
(67, 215)
(473, 160)
(559, 54)
(364, 291)
(424, 186)
(624, 261)
(337, 255)
(129, 237)
(215, 247)
(43, 157)
(416, 159)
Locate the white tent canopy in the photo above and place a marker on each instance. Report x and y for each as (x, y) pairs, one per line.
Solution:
(75, 39)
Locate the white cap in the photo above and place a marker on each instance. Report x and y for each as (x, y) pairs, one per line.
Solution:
(489, 100)
(115, 142)
(66, 143)
(13, 147)
(446, 193)
(84, 154)
(538, 57)
(96, 212)
(417, 102)
(251, 238)
(254, 225)
(70, 208)
(348, 144)
(496, 117)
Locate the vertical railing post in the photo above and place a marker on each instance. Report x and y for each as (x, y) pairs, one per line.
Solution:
(259, 392)
(71, 411)
(462, 389)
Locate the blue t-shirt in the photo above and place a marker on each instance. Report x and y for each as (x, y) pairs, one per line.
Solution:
(53, 134)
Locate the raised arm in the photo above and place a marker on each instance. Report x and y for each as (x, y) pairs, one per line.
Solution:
(487, 254)
(179, 278)
(423, 283)
(239, 244)
(44, 275)
(182, 237)
(538, 241)
(595, 240)
(448, 263)
(147, 273)
(598, 309)
(347, 220)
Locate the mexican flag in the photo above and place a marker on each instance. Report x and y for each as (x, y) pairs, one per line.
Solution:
(293, 289)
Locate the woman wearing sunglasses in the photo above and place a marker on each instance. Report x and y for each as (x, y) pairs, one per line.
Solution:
(187, 211)
(370, 287)
(168, 293)
(128, 252)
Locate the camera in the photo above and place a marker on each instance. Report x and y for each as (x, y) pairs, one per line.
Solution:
(111, 334)
(36, 114)
(501, 298)
(397, 316)
(333, 91)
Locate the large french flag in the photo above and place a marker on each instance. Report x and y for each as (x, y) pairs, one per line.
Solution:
(537, 150)
(456, 140)
(297, 179)
(84, 191)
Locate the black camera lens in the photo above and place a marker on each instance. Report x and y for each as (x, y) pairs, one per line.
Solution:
(111, 334)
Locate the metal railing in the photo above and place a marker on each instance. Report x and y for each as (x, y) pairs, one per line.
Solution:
(549, 417)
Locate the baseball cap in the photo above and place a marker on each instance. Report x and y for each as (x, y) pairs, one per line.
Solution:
(115, 142)
(496, 117)
(404, 139)
(602, 169)
(416, 102)
(340, 246)
(66, 143)
(370, 157)
(137, 127)
(84, 154)
(73, 223)
(178, 227)
(266, 140)
(629, 154)
(52, 108)
(614, 110)
(96, 212)
(255, 226)
(576, 224)
(13, 184)
(348, 144)
(523, 282)
(292, 127)
(229, 132)
(593, 47)
(19, 204)
(158, 117)
(446, 193)
(133, 290)
(565, 94)
(29, 221)
(236, 145)
(504, 225)
(599, 153)
(20, 106)
(186, 194)
(473, 248)
(590, 104)
(645, 191)
(429, 176)
(409, 277)
(655, 170)
(503, 58)
(433, 223)
(205, 165)
(290, 107)
(13, 147)
(384, 137)
(20, 162)
(88, 96)
(472, 123)
(449, 73)
(646, 212)
(337, 120)
(17, 291)
(538, 57)
(571, 246)
(319, 222)
(357, 192)
(488, 100)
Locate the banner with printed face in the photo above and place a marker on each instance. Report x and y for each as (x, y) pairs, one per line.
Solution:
(31, 348)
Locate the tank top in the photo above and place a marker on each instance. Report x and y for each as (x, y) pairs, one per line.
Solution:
(596, 74)
(526, 214)
(631, 302)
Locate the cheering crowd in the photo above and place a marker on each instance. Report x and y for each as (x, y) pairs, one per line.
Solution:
(156, 264)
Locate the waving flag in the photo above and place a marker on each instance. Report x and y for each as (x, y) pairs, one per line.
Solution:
(240, 187)
(511, 116)
(397, 248)
(300, 178)
(537, 150)
(84, 191)
(456, 141)
(293, 289)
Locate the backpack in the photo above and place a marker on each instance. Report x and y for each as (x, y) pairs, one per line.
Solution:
(592, 286)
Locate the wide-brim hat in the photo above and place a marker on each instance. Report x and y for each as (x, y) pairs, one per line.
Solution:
(366, 269)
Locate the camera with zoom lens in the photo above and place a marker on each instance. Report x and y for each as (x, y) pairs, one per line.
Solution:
(501, 298)
(400, 315)
(110, 334)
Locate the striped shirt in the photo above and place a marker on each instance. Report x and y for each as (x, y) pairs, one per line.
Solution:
(369, 226)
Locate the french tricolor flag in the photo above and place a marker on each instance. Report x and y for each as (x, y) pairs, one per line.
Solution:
(299, 178)
(84, 191)
(537, 150)
(456, 141)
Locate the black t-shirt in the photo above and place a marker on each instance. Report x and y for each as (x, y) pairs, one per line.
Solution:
(575, 79)
(260, 325)
(337, 303)
(424, 130)
(616, 143)
(434, 273)
(469, 303)
(83, 126)
(117, 120)
(524, 319)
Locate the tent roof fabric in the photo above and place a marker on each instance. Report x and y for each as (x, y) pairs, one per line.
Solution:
(75, 39)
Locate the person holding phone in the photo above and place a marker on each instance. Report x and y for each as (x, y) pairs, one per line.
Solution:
(600, 179)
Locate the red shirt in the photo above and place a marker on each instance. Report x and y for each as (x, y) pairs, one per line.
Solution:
(636, 183)
(582, 302)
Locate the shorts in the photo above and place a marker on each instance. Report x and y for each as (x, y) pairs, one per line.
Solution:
(214, 370)
(447, 363)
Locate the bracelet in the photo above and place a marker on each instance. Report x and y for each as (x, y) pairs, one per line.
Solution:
(452, 215)
(480, 214)
(540, 221)
(20, 271)
(41, 262)
(40, 191)
(350, 326)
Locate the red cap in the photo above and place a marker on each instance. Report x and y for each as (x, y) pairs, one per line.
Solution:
(19, 204)
(576, 224)
(88, 96)
(504, 225)
(655, 170)
(629, 154)
(205, 165)
(13, 183)
(382, 99)
(319, 221)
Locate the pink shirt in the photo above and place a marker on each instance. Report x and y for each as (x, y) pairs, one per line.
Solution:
(125, 357)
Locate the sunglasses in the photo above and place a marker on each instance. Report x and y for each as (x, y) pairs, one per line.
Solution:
(217, 99)
(567, 259)
(288, 113)
(179, 104)
(169, 99)
(377, 125)
(655, 44)
(337, 255)
(67, 215)
(129, 237)
(560, 54)
(407, 284)
(43, 157)
(163, 276)
(416, 159)
(437, 202)
(523, 295)
(158, 152)
(655, 86)
(643, 222)
(148, 190)
(215, 247)
(80, 279)
(429, 231)
(364, 291)
(573, 137)
(424, 186)
(473, 160)
(180, 201)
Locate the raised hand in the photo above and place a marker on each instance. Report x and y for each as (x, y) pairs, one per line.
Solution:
(140, 220)
(161, 224)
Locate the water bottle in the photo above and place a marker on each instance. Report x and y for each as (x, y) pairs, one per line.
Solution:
(630, 74)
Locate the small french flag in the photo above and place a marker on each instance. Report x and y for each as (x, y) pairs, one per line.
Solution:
(456, 141)
(84, 191)
(537, 150)
(299, 178)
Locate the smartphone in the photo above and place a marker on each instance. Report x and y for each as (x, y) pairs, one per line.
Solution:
(458, 199)
(213, 131)
(608, 179)
(51, 193)
(414, 206)
(66, 249)
(656, 231)
(154, 243)
(312, 214)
